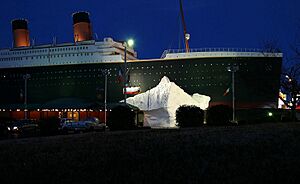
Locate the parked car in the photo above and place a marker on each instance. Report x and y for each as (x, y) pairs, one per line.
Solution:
(64, 121)
(23, 127)
(4, 122)
(95, 123)
(89, 124)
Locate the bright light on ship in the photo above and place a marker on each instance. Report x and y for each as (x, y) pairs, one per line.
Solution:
(130, 42)
(187, 36)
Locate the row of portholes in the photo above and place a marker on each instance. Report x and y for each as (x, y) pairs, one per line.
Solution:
(34, 51)
(45, 56)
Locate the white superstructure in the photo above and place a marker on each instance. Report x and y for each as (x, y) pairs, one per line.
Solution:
(217, 53)
(83, 52)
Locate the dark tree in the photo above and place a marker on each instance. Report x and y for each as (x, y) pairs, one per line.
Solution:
(270, 46)
(290, 79)
(290, 85)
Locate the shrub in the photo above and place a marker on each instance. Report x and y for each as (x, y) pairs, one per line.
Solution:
(219, 115)
(189, 116)
(3, 130)
(49, 126)
(121, 118)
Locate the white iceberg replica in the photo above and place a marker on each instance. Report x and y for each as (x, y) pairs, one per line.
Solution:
(161, 102)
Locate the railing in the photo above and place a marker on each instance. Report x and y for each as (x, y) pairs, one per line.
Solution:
(170, 51)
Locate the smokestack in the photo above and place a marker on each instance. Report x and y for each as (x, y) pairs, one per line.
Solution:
(20, 33)
(82, 27)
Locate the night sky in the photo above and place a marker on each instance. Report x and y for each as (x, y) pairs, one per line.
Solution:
(155, 24)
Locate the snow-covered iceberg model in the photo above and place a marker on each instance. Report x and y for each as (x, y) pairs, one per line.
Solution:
(160, 103)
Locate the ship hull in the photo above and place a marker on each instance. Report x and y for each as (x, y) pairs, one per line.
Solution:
(257, 81)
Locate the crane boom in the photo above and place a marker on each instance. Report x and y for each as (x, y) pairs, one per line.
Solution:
(186, 35)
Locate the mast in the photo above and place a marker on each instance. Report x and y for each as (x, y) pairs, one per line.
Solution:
(186, 35)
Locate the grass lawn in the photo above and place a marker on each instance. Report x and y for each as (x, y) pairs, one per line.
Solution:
(262, 153)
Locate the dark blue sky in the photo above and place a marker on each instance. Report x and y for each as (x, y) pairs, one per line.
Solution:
(154, 24)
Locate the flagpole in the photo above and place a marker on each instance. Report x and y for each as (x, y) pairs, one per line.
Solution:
(129, 43)
(125, 72)
(25, 77)
(106, 73)
(233, 69)
(233, 98)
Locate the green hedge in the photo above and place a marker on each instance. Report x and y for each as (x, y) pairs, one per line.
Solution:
(121, 117)
(49, 126)
(219, 115)
(189, 116)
